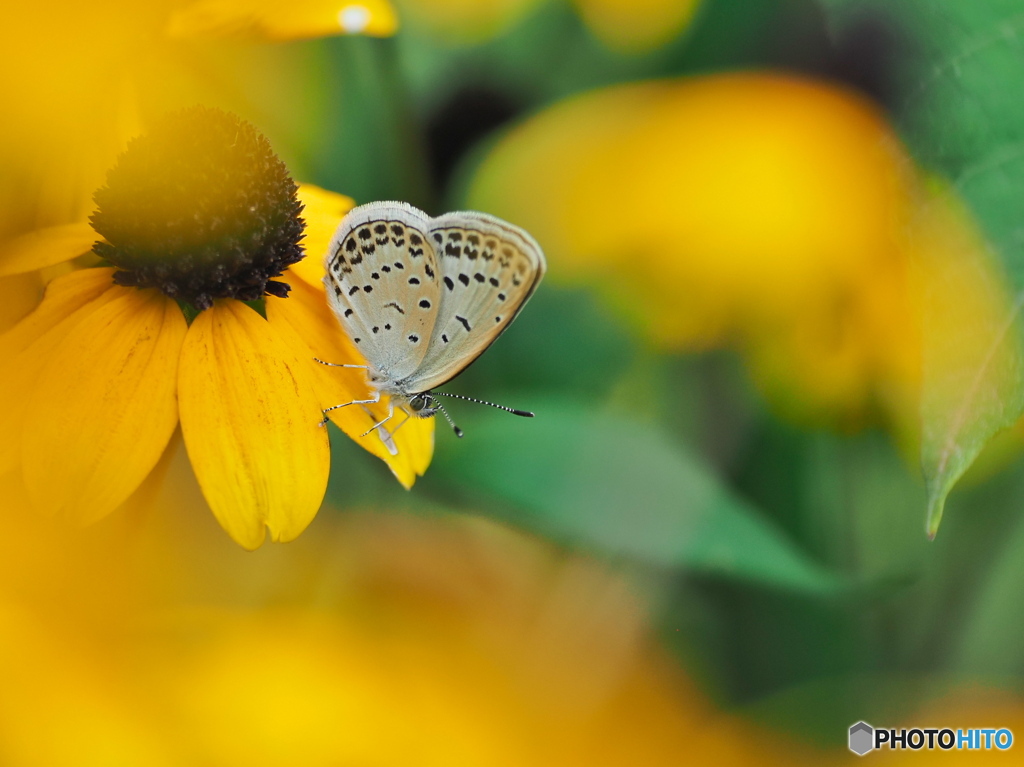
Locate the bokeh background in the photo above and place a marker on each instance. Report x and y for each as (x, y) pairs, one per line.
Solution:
(780, 323)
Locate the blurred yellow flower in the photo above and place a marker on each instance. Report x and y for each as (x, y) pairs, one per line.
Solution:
(64, 123)
(624, 25)
(198, 211)
(385, 640)
(760, 210)
(636, 25)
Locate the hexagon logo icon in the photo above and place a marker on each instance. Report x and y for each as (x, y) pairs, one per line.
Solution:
(862, 738)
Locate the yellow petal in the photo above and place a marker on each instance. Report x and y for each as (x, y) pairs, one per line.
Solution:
(46, 247)
(19, 295)
(273, 20)
(322, 211)
(41, 330)
(636, 25)
(305, 315)
(250, 417)
(102, 408)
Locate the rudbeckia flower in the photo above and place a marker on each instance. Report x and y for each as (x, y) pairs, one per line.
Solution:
(199, 215)
(389, 640)
(756, 210)
(65, 123)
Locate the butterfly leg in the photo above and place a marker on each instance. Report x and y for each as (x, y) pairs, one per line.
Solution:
(341, 365)
(408, 417)
(391, 413)
(374, 401)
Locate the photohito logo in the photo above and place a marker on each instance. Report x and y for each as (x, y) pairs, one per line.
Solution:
(864, 738)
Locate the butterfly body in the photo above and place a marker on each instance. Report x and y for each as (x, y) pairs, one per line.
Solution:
(422, 298)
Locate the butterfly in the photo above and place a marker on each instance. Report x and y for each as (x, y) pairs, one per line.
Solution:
(423, 297)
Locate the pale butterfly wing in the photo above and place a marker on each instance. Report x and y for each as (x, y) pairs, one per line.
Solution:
(383, 283)
(486, 271)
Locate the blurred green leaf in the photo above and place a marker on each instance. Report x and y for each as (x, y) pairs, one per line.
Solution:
(961, 118)
(990, 644)
(622, 488)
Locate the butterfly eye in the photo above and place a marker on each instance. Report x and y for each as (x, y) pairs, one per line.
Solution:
(417, 403)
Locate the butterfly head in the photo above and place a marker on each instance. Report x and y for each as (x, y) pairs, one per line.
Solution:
(423, 405)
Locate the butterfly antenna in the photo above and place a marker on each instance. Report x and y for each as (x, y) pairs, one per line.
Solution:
(513, 411)
(456, 429)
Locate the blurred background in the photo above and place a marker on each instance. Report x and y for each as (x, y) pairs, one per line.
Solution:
(780, 323)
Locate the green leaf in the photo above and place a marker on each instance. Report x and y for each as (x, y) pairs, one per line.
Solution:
(962, 120)
(990, 643)
(621, 488)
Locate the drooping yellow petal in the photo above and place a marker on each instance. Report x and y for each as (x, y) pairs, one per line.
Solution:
(322, 211)
(102, 408)
(306, 316)
(41, 331)
(636, 25)
(250, 417)
(46, 247)
(272, 20)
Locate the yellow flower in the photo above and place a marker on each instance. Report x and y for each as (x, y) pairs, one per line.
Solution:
(636, 25)
(758, 210)
(385, 640)
(199, 211)
(64, 122)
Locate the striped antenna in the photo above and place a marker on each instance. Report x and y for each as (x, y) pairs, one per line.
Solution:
(513, 411)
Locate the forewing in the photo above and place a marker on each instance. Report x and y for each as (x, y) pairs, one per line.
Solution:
(382, 283)
(487, 269)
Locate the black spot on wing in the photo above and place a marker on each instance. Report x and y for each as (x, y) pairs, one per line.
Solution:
(464, 321)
